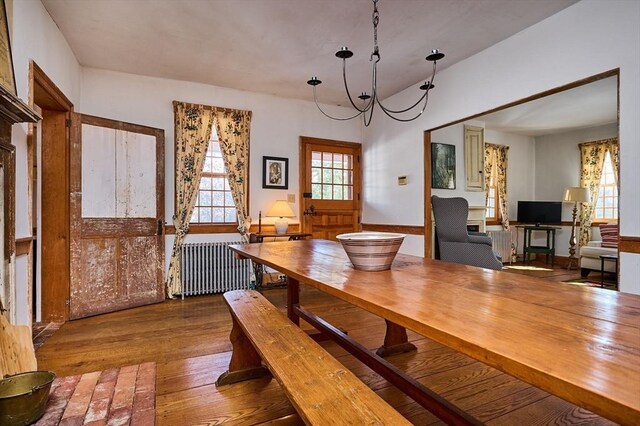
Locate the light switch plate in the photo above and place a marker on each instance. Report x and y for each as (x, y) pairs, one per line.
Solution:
(402, 180)
(291, 198)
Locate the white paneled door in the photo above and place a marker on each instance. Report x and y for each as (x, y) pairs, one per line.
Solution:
(117, 216)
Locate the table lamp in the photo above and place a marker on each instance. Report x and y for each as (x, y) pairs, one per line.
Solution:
(281, 210)
(575, 195)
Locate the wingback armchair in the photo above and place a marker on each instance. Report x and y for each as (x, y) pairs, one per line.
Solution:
(455, 243)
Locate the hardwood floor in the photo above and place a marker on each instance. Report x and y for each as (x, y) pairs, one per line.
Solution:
(189, 341)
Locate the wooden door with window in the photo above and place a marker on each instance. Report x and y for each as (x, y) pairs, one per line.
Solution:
(117, 216)
(330, 186)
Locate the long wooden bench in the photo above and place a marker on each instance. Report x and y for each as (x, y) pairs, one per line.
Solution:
(321, 389)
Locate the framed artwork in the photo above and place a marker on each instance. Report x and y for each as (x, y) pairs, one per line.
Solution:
(275, 172)
(443, 166)
(7, 80)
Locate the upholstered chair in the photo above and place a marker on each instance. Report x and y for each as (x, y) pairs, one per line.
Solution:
(455, 243)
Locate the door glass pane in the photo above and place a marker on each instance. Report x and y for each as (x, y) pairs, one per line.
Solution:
(337, 192)
(327, 192)
(316, 175)
(316, 159)
(327, 159)
(327, 176)
(316, 191)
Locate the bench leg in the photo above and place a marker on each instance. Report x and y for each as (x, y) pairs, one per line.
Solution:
(245, 363)
(395, 341)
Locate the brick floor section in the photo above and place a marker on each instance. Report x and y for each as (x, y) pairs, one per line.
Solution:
(119, 396)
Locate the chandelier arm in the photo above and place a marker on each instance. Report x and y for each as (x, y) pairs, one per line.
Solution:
(346, 88)
(364, 116)
(315, 98)
(400, 111)
(404, 120)
(425, 94)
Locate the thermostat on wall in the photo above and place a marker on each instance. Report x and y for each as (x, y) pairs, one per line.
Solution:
(402, 180)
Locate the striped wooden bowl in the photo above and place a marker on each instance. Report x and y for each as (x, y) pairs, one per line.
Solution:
(371, 251)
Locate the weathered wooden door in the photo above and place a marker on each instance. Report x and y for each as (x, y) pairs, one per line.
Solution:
(330, 185)
(117, 216)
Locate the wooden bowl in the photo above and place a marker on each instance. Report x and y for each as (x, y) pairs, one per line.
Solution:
(371, 251)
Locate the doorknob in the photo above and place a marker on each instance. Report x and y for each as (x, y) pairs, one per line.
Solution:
(311, 211)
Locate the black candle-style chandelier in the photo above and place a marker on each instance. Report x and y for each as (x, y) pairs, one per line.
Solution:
(368, 100)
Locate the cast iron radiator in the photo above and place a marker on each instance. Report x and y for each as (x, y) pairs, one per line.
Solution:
(501, 241)
(208, 268)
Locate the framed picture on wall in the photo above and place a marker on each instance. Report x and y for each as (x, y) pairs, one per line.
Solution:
(443, 166)
(275, 172)
(7, 80)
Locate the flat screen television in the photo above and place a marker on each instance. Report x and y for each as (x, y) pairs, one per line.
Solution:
(540, 212)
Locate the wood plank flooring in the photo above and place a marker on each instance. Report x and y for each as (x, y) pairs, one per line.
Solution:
(189, 341)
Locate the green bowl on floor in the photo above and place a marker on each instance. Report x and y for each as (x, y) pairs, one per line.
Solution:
(24, 396)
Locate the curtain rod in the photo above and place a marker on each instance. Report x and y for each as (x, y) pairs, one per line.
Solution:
(209, 107)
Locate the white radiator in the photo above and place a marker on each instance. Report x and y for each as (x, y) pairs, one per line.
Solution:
(212, 268)
(501, 241)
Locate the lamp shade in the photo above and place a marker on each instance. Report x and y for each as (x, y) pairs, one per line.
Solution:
(577, 195)
(281, 209)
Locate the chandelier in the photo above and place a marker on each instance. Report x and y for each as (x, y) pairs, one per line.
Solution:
(368, 100)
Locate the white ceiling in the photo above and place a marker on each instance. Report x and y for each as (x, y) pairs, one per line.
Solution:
(591, 105)
(275, 46)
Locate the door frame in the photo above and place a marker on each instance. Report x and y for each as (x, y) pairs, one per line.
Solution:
(302, 168)
(54, 229)
(427, 145)
(75, 176)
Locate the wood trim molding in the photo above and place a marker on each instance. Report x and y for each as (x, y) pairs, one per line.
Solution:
(553, 91)
(428, 225)
(402, 229)
(227, 229)
(629, 244)
(45, 93)
(23, 246)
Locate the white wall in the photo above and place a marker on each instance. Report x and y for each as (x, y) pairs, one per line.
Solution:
(276, 125)
(35, 37)
(585, 39)
(558, 161)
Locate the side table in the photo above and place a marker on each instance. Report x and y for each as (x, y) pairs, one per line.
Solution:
(548, 250)
(612, 258)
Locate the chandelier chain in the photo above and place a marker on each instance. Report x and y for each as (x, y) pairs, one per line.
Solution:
(368, 100)
(375, 17)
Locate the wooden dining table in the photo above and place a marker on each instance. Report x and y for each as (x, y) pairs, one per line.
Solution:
(581, 344)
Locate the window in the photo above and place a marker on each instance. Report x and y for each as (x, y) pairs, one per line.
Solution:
(493, 198)
(607, 203)
(331, 176)
(215, 202)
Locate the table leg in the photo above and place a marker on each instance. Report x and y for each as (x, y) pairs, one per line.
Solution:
(602, 272)
(293, 299)
(395, 341)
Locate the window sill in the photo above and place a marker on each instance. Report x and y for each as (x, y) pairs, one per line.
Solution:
(599, 221)
(206, 228)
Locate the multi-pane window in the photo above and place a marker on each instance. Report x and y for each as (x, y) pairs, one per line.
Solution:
(491, 203)
(215, 202)
(492, 197)
(331, 176)
(607, 204)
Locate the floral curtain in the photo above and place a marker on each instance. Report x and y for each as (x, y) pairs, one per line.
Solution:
(193, 125)
(592, 156)
(233, 133)
(495, 170)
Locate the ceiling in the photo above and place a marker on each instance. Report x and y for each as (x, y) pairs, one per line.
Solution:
(591, 105)
(275, 46)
